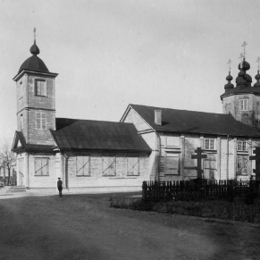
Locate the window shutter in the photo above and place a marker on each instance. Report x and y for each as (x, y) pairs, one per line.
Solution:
(132, 166)
(109, 166)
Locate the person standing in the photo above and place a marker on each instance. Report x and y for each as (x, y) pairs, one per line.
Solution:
(59, 186)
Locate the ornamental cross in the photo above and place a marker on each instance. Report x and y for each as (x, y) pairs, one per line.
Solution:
(256, 158)
(244, 45)
(199, 156)
(229, 65)
(258, 63)
(241, 57)
(34, 32)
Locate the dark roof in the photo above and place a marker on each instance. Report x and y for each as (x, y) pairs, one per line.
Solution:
(73, 134)
(34, 63)
(29, 147)
(183, 121)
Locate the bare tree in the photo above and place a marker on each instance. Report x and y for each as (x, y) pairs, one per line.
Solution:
(7, 158)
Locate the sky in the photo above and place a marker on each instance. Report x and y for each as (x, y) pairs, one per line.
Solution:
(110, 53)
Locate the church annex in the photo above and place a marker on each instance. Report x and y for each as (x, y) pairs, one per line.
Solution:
(149, 143)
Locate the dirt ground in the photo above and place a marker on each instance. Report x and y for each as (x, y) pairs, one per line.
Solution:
(84, 227)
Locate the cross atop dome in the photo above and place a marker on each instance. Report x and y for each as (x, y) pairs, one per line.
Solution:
(244, 46)
(34, 33)
(229, 65)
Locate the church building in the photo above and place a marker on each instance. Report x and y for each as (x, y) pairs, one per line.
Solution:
(149, 143)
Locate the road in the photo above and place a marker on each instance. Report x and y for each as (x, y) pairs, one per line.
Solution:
(84, 227)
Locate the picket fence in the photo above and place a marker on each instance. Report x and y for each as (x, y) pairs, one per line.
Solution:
(195, 190)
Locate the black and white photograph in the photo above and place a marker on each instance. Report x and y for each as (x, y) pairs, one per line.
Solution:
(130, 130)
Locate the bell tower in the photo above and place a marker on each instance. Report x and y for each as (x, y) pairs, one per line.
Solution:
(242, 101)
(35, 87)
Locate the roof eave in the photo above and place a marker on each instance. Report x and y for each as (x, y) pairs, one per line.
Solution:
(21, 73)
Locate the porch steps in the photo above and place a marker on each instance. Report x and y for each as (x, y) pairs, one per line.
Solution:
(15, 189)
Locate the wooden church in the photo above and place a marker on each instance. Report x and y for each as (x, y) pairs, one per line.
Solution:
(149, 143)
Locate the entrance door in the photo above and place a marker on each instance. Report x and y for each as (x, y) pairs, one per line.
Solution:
(21, 173)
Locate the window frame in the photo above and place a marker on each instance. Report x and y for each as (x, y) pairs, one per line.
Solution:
(242, 146)
(243, 104)
(107, 170)
(41, 166)
(242, 163)
(85, 167)
(135, 166)
(40, 90)
(207, 144)
(175, 171)
(41, 121)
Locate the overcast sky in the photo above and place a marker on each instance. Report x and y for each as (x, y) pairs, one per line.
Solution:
(109, 53)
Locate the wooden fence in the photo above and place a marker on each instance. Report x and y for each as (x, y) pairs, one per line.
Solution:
(196, 190)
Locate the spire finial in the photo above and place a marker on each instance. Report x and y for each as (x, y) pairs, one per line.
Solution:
(244, 45)
(258, 63)
(229, 65)
(34, 32)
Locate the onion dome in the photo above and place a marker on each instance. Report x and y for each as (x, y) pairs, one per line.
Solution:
(35, 49)
(257, 77)
(229, 85)
(34, 63)
(243, 80)
(244, 65)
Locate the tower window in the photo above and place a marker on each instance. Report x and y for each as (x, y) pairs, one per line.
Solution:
(41, 121)
(40, 88)
(244, 104)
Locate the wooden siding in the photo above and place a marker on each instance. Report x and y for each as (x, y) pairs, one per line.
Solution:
(98, 178)
(133, 117)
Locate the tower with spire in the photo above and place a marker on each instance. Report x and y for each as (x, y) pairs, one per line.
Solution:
(35, 87)
(243, 100)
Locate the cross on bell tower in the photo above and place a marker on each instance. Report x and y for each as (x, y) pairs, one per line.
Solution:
(244, 46)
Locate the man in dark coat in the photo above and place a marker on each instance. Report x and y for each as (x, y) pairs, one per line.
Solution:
(59, 186)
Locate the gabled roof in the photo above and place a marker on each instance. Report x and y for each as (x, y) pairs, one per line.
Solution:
(73, 134)
(193, 122)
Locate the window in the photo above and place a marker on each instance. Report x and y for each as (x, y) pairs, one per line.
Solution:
(242, 163)
(109, 166)
(83, 166)
(41, 121)
(241, 145)
(41, 166)
(209, 144)
(244, 104)
(172, 163)
(40, 88)
(133, 166)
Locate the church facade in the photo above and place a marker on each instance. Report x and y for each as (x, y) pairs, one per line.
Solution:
(149, 143)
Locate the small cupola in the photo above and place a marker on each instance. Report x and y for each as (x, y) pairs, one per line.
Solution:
(34, 63)
(229, 85)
